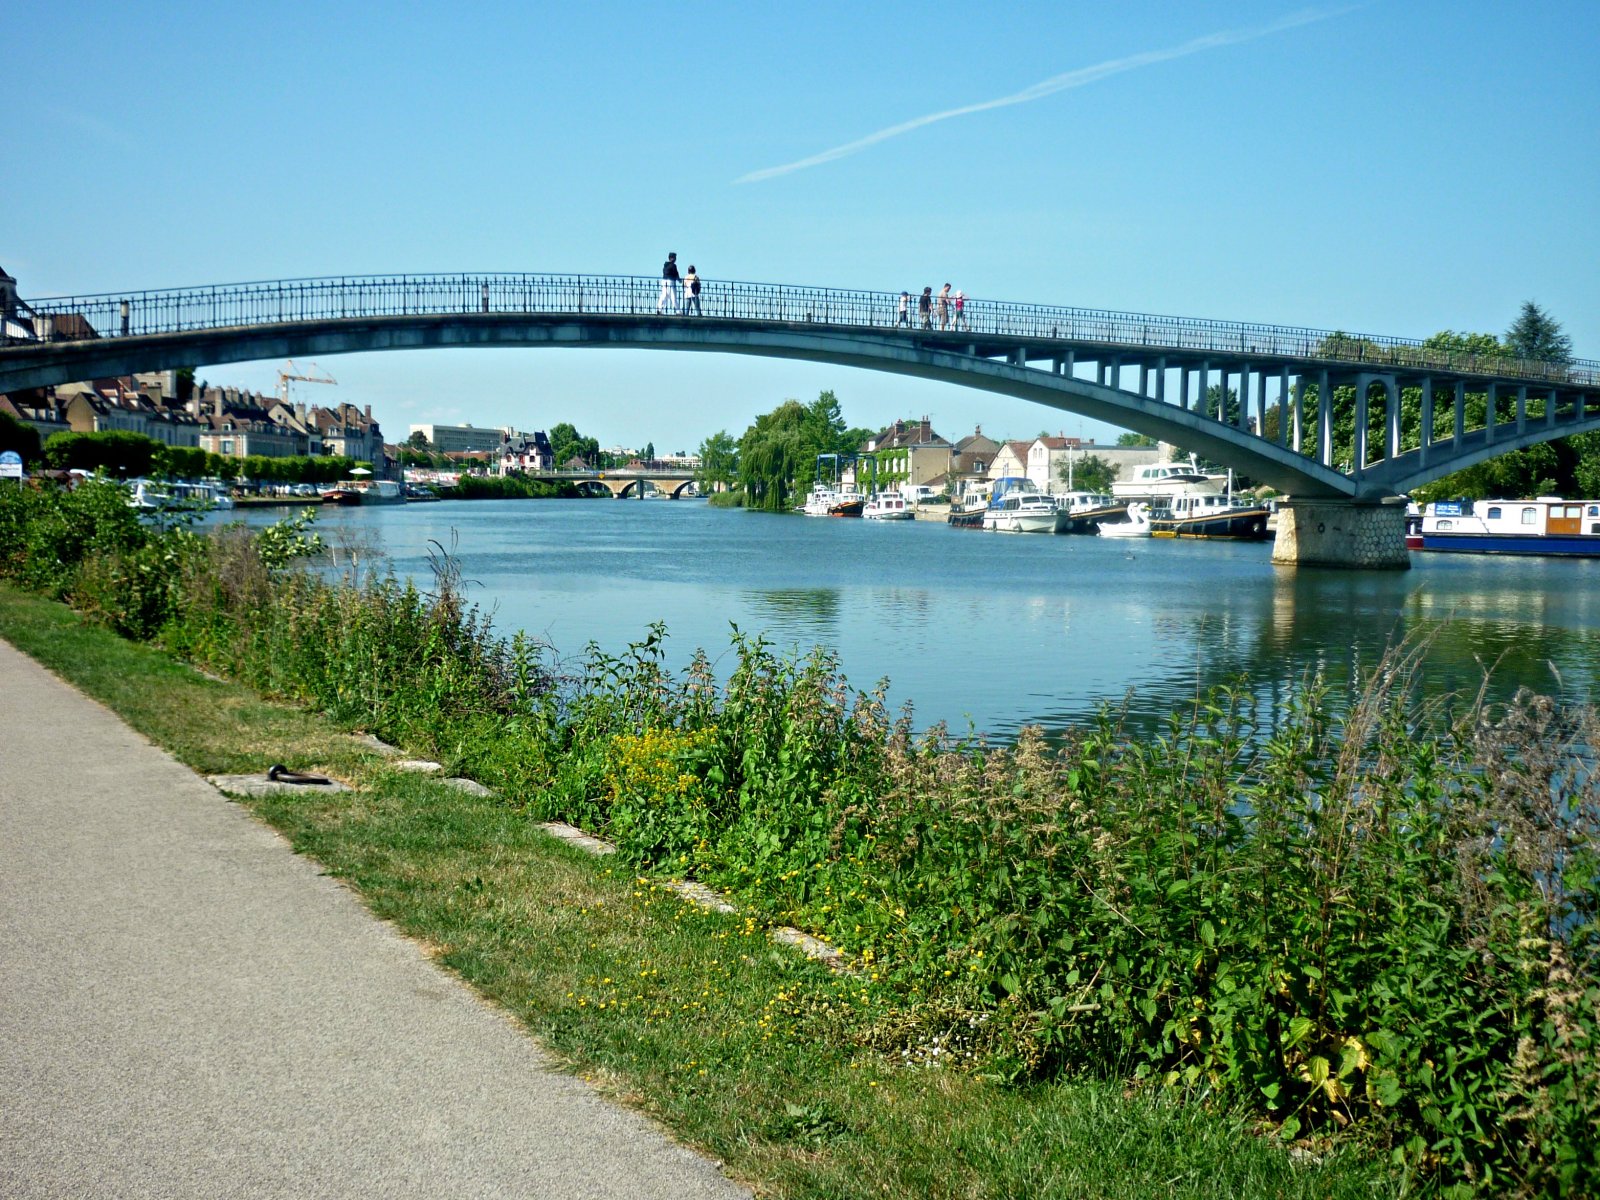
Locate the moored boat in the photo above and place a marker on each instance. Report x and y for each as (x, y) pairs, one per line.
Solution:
(365, 491)
(1021, 512)
(846, 504)
(1136, 526)
(1546, 525)
(1081, 512)
(887, 506)
(1156, 482)
(1016, 505)
(1209, 514)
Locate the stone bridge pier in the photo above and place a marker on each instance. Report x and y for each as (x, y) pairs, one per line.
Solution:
(1342, 533)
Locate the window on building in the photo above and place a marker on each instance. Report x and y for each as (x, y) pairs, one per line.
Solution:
(1494, 513)
(1447, 524)
(227, 446)
(1530, 516)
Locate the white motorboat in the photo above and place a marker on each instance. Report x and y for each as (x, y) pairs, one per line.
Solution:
(1158, 482)
(1021, 512)
(887, 506)
(148, 495)
(1136, 526)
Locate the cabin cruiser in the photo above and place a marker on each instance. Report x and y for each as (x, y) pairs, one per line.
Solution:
(1136, 526)
(887, 506)
(1080, 512)
(1210, 514)
(1157, 481)
(1016, 505)
(1547, 525)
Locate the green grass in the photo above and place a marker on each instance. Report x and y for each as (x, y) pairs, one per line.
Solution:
(743, 1049)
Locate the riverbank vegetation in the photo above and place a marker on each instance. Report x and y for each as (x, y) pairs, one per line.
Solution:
(1369, 927)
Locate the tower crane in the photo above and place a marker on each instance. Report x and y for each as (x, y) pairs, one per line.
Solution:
(291, 371)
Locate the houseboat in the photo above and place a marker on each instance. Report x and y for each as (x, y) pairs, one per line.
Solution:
(366, 491)
(1547, 525)
(888, 506)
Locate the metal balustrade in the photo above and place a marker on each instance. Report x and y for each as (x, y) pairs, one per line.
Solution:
(292, 301)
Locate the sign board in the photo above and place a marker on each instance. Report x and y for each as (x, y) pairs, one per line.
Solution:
(10, 465)
(1447, 508)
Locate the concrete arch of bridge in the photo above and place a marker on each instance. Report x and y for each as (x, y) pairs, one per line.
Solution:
(1272, 464)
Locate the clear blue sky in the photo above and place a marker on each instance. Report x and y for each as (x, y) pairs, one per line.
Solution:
(1388, 167)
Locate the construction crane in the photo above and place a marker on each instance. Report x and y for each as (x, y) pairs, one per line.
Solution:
(291, 371)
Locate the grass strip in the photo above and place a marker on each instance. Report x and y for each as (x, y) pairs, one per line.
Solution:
(743, 1049)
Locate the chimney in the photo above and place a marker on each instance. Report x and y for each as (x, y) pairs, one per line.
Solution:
(216, 403)
(369, 414)
(300, 411)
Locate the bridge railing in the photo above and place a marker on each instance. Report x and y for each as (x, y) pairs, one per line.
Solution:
(183, 310)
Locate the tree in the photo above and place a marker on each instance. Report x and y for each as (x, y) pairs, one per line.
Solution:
(719, 462)
(649, 451)
(1537, 335)
(566, 442)
(1091, 473)
(1135, 439)
(126, 455)
(419, 441)
(19, 436)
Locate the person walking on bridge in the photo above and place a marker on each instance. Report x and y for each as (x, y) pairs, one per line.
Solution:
(691, 293)
(944, 307)
(925, 307)
(905, 310)
(669, 285)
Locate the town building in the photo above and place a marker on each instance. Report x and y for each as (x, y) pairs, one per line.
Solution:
(527, 453)
(449, 439)
(909, 453)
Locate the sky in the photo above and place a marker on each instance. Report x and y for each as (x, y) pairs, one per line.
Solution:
(1388, 167)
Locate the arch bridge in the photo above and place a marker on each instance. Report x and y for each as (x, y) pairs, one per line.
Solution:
(1151, 374)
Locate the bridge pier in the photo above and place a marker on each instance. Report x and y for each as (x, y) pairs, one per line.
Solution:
(1342, 533)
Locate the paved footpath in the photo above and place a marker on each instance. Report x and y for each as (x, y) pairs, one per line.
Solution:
(187, 1008)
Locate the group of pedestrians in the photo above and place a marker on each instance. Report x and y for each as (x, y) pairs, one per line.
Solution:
(680, 294)
(950, 310)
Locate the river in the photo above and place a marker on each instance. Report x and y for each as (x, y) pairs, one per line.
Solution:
(999, 630)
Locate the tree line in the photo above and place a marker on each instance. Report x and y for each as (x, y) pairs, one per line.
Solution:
(130, 455)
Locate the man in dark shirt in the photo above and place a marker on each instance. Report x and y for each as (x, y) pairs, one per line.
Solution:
(669, 285)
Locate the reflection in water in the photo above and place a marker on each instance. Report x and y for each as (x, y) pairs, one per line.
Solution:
(799, 615)
(1004, 630)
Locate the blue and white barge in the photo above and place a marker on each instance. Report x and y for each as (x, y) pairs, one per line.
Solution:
(1546, 525)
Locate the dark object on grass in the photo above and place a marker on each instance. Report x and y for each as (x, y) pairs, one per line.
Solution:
(278, 773)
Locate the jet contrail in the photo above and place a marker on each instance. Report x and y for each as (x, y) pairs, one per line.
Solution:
(1057, 83)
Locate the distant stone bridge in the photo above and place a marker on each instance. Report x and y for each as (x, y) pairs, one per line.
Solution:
(1147, 373)
(624, 483)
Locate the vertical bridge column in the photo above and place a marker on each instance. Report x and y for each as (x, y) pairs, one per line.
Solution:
(1342, 533)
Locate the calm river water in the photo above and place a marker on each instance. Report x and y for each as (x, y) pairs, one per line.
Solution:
(999, 629)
